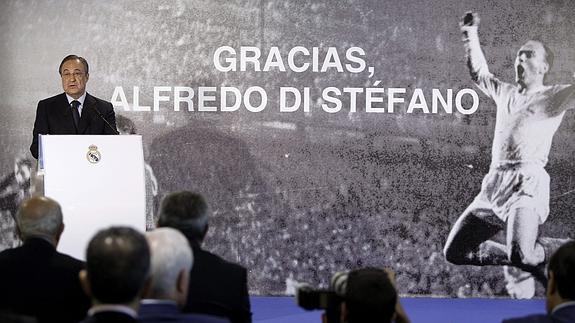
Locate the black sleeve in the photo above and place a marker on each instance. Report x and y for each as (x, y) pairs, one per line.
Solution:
(41, 127)
(245, 313)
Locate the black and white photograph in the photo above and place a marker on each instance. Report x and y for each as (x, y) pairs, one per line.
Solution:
(435, 138)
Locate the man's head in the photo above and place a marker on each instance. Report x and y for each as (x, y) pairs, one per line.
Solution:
(187, 212)
(171, 263)
(532, 62)
(117, 265)
(74, 73)
(370, 296)
(40, 217)
(561, 284)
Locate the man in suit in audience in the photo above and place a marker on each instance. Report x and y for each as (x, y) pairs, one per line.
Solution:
(167, 292)
(217, 287)
(117, 266)
(74, 112)
(371, 296)
(560, 289)
(35, 279)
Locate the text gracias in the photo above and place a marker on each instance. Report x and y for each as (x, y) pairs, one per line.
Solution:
(291, 99)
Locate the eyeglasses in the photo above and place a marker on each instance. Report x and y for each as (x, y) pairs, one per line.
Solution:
(67, 75)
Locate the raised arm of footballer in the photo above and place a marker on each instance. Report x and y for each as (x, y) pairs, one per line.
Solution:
(476, 61)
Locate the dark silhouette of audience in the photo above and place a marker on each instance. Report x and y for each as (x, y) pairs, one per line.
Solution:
(35, 279)
(117, 266)
(165, 275)
(217, 287)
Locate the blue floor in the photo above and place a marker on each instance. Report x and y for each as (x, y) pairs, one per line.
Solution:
(420, 310)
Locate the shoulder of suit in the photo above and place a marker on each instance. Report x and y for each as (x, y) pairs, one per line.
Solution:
(198, 317)
(70, 259)
(100, 101)
(54, 98)
(6, 253)
(222, 261)
(537, 318)
(102, 104)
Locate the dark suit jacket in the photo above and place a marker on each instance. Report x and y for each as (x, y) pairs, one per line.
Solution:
(36, 280)
(169, 312)
(109, 317)
(54, 117)
(563, 315)
(218, 287)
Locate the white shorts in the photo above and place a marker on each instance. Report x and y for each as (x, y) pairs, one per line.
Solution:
(512, 186)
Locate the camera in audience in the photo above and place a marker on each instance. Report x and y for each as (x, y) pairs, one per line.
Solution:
(329, 300)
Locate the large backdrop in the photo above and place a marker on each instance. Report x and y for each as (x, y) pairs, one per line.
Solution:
(356, 139)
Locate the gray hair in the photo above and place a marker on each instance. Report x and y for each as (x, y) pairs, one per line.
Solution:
(39, 216)
(170, 254)
(186, 211)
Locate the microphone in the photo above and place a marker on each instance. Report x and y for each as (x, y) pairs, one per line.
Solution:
(103, 119)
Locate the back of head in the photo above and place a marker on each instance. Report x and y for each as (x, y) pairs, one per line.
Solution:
(171, 254)
(370, 296)
(40, 217)
(562, 264)
(187, 212)
(117, 265)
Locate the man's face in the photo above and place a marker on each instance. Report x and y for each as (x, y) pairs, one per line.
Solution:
(74, 78)
(530, 63)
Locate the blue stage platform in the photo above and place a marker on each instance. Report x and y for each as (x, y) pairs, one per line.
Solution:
(420, 310)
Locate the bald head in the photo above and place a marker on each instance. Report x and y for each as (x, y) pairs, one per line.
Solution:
(171, 262)
(40, 217)
(534, 59)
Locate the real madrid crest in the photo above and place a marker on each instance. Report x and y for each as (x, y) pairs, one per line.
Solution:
(93, 155)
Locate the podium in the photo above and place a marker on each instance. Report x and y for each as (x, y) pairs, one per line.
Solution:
(99, 182)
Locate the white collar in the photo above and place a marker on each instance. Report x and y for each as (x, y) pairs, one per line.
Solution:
(112, 308)
(562, 305)
(80, 99)
(157, 301)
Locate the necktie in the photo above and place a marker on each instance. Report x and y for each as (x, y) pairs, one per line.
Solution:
(75, 113)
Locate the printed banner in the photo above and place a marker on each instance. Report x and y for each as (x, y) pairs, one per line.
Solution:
(326, 135)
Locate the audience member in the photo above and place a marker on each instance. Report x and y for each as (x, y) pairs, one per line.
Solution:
(217, 287)
(171, 262)
(560, 289)
(371, 296)
(117, 265)
(35, 279)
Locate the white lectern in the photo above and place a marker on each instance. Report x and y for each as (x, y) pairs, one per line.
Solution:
(98, 181)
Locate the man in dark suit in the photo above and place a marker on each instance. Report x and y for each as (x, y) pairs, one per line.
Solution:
(167, 292)
(560, 289)
(217, 287)
(73, 112)
(35, 279)
(117, 265)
